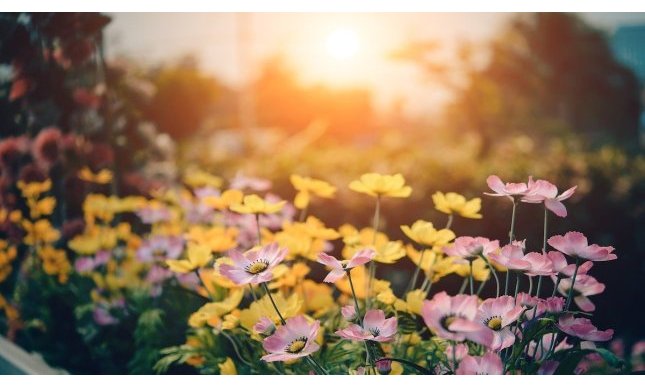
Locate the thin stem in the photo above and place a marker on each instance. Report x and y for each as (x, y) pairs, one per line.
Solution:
(416, 272)
(492, 269)
(237, 351)
(546, 216)
(303, 214)
(517, 285)
(449, 223)
(257, 223)
(511, 233)
(266, 289)
(530, 285)
(506, 282)
(472, 291)
(252, 292)
(463, 286)
(372, 268)
(358, 309)
(555, 288)
(573, 283)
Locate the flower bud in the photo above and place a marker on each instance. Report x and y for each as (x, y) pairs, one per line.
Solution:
(384, 367)
(348, 312)
(264, 326)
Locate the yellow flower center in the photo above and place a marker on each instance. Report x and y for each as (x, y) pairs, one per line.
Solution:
(297, 345)
(494, 323)
(257, 267)
(446, 321)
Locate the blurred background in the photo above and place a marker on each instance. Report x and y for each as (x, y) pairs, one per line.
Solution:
(444, 99)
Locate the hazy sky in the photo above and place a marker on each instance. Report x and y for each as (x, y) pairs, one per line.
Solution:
(214, 38)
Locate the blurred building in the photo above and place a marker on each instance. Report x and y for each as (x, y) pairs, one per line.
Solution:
(628, 44)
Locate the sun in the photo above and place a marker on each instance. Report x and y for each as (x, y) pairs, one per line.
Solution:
(342, 43)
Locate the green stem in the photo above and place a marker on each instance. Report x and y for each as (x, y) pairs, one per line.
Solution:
(492, 269)
(303, 214)
(511, 233)
(472, 291)
(358, 309)
(416, 272)
(449, 223)
(464, 283)
(252, 292)
(546, 216)
(266, 289)
(257, 223)
(372, 268)
(573, 283)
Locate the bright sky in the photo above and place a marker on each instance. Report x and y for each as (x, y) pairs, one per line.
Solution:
(335, 49)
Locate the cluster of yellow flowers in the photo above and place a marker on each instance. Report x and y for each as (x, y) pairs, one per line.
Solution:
(40, 234)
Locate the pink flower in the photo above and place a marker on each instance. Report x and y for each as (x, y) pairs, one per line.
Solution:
(375, 328)
(583, 328)
(541, 349)
(523, 299)
(264, 326)
(295, 339)
(541, 265)
(84, 264)
(552, 304)
(560, 265)
(254, 266)
(585, 286)
(504, 189)
(453, 318)
(497, 314)
(489, 364)
(454, 354)
(160, 248)
(153, 214)
(511, 257)
(340, 267)
(242, 182)
(543, 191)
(348, 312)
(471, 247)
(46, 147)
(574, 244)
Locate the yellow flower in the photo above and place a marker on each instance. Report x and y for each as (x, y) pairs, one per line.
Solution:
(293, 276)
(43, 207)
(225, 200)
(305, 239)
(288, 307)
(453, 203)
(55, 263)
(425, 234)
(227, 367)
(435, 265)
(359, 278)
(386, 251)
(211, 312)
(40, 231)
(94, 238)
(198, 256)
(197, 178)
(387, 297)
(317, 297)
(480, 270)
(375, 184)
(414, 301)
(104, 176)
(218, 239)
(35, 188)
(306, 186)
(253, 204)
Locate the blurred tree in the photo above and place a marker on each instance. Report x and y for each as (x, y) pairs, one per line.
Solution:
(546, 74)
(184, 98)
